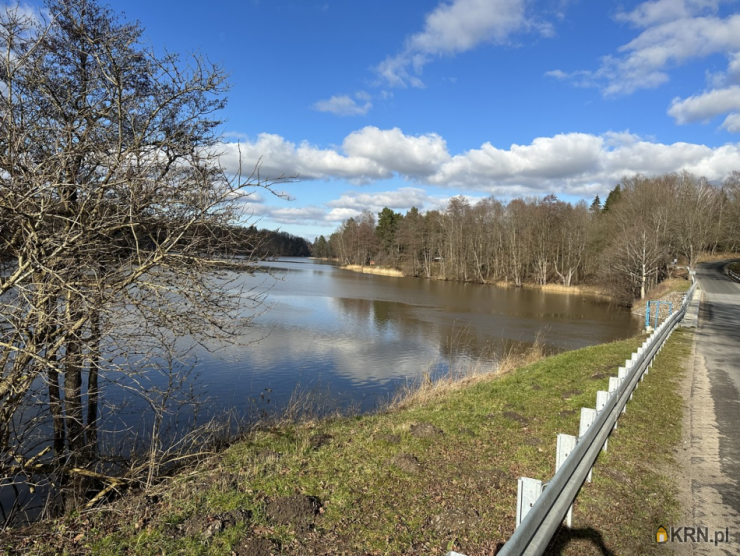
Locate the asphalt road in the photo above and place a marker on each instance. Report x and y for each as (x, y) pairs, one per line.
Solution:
(715, 407)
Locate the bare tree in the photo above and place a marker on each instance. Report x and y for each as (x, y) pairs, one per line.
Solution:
(113, 209)
(639, 228)
(572, 231)
(730, 231)
(696, 213)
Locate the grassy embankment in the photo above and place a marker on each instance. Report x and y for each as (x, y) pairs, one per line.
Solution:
(439, 472)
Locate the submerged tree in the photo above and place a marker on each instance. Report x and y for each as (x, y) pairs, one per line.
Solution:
(112, 211)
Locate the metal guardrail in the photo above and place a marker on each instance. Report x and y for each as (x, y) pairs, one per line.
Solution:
(734, 275)
(542, 507)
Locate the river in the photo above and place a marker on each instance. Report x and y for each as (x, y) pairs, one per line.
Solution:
(353, 338)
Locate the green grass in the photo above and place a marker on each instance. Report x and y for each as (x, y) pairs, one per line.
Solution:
(633, 490)
(494, 432)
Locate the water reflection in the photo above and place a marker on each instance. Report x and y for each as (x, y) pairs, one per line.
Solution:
(359, 335)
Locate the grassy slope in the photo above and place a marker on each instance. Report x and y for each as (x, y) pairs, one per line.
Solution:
(493, 432)
(632, 493)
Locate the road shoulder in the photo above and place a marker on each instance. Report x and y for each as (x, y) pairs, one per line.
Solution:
(701, 481)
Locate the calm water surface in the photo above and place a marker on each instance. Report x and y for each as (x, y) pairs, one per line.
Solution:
(355, 337)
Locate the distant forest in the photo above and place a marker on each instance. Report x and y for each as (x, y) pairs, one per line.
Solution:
(244, 241)
(627, 243)
(270, 243)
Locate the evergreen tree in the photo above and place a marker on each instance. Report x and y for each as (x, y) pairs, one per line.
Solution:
(613, 198)
(596, 205)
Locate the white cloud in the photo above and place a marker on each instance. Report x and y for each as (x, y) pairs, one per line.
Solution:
(546, 158)
(400, 199)
(674, 33)
(343, 105)
(570, 163)
(452, 28)
(281, 157)
(660, 11)
(733, 68)
(391, 149)
(732, 123)
(706, 106)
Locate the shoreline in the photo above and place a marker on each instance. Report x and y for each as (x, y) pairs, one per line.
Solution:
(591, 291)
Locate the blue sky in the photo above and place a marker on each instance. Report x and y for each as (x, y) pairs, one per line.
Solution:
(387, 103)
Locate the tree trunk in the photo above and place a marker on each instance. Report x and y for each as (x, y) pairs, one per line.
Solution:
(92, 386)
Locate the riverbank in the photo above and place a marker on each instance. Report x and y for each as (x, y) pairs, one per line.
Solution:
(585, 290)
(591, 291)
(439, 474)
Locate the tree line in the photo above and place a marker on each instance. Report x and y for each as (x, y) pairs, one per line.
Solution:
(627, 244)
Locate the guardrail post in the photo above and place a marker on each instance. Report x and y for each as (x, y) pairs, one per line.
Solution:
(614, 383)
(588, 416)
(601, 398)
(529, 490)
(622, 374)
(565, 445)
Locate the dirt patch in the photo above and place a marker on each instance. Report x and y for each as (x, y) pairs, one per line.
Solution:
(298, 511)
(515, 416)
(568, 394)
(617, 475)
(536, 386)
(532, 441)
(320, 440)
(407, 462)
(426, 430)
(498, 476)
(256, 547)
(465, 431)
(390, 438)
(599, 376)
(206, 526)
(567, 412)
(454, 520)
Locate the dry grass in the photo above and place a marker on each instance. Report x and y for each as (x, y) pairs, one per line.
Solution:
(594, 291)
(374, 270)
(709, 257)
(582, 289)
(424, 390)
